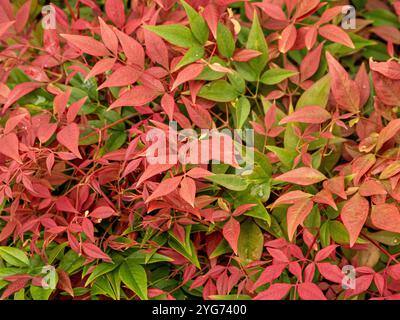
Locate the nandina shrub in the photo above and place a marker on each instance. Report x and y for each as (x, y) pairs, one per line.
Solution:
(85, 215)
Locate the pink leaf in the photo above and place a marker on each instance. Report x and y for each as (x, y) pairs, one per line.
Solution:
(276, 291)
(102, 212)
(336, 34)
(303, 176)
(165, 187)
(168, 105)
(108, 36)
(310, 291)
(134, 52)
(386, 216)
(269, 274)
(22, 15)
(19, 91)
(187, 74)
(69, 138)
(308, 114)
(354, 214)
(87, 44)
(231, 232)
(101, 66)
(115, 12)
(94, 252)
(9, 146)
(310, 63)
(74, 109)
(288, 38)
(123, 76)
(296, 215)
(188, 190)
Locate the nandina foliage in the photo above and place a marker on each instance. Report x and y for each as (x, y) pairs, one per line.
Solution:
(82, 209)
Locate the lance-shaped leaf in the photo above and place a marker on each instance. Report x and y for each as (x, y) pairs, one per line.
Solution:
(165, 187)
(303, 176)
(296, 215)
(231, 232)
(176, 34)
(256, 41)
(10, 146)
(336, 34)
(87, 44)
(225, 42)
(134, 277)
(197, 23)
(308, 114)
(276, 291)
(386, 216)
(388, 133)
(276, 75)
(115, 12)
(287, 39)
(354, 214)
(69, 138)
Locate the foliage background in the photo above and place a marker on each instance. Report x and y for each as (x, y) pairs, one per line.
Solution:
(77, 194)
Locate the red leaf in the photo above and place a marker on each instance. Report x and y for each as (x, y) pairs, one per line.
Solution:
(325, 197)
(325, 252)
(101, 66)
(310, 291)
(389, 69)
(187, 74)
(74, 109)
(18, 92)
(244, 55)
(272, 10)
(387, 90)
(199, 116)
(308, 114)
(22, 15)
(344, 90)
(211, 15)
(276, 291)
(361, 165)
(362, 81)
(123, 76)
(102, 212)
(165, 187)
(354, 214)
(296, 215)
(64, 282)
(87, 44)
(197, 173)
(336, 186)
(371, 187)
(152, 170)
(336, 34)
(45, 131)
(136, 97)
(9, 146)
(386, 216)
(94, 252)
(242, 209)
(291, 197)
(330, 272)
(231, 232)
(303, 176)
(134, 52)
(108, 36)
(188, 190)
(311, 37)
(310, 63)
(88, 229)
(288, 38)
(115, 12)
(5, 26)
(63, 203)
(69, 138)
(269, 274)
(14, 287)
(168, 105)
(388, 133)
(156, 48)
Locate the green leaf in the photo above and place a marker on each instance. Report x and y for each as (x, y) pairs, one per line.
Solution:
(99, 270)
(256, 41)
(220, 91)
(102, 286)
(242, 111)
(258, 211)
(286, 156)
(229, 181)
(230, 297)
(251, 241)
(339, 233)
(237, 81)
(71, 262)
(39, 293)
(316, 95)
(276, 75)
(175, 34)
(225, 41)
(115, 141)
(192, 55)
(134, 277)
(197, 23)
(14, 256)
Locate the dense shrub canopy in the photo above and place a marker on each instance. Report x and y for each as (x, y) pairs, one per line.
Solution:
(85, 215)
